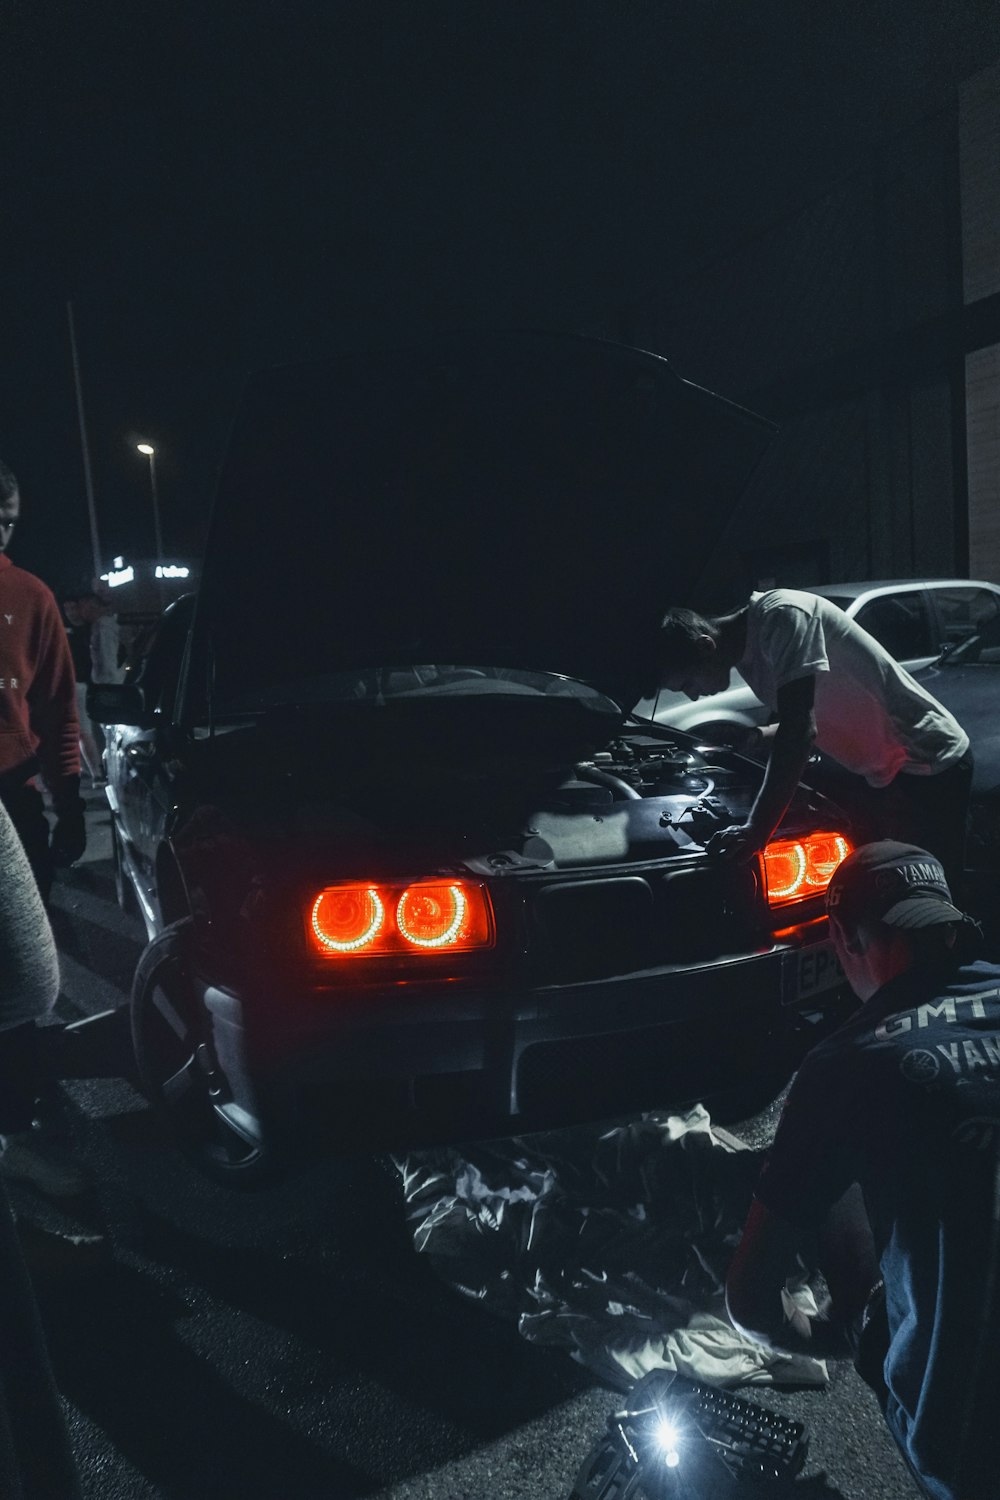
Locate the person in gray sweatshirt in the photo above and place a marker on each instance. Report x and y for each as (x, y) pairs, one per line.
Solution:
(36, 1456)
(29, 984)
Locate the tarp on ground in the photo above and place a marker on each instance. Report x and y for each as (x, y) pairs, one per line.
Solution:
(611, 1243)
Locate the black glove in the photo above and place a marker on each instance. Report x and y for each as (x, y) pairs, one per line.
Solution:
(69, 836)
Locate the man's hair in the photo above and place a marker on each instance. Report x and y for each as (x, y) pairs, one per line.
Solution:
(935, 950)
(8, 484)
(678, 635)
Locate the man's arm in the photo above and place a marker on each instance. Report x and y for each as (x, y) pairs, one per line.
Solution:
(793, 738)
(51, 699)
(53, 716)
(846, 1255)
(794, 735)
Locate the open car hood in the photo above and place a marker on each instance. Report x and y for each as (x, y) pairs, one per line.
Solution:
(512, 501)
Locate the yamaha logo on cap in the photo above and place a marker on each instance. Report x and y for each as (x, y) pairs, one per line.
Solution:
(896, 883)
(925, 874)
(892, 881)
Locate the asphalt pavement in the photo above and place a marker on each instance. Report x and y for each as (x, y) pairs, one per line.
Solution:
(289, 1344)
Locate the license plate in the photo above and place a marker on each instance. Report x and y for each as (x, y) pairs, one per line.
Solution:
(815, 969)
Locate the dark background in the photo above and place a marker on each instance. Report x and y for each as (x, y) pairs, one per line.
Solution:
(219, 186)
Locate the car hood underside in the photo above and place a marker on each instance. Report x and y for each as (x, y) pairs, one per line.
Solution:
(525, 501)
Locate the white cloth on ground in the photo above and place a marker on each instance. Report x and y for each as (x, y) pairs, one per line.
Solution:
(611, 1244)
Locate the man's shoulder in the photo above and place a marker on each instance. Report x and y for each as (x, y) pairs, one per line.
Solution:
(911, 991)
(30, 585)
(979, 973)
(767, 601)
(784, 627)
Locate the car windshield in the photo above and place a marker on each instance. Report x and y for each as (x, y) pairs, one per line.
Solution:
(983, 647)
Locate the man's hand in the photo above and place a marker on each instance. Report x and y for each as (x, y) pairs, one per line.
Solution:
(736, 844)
(757, 740)
(765, 1291)
(69, 836)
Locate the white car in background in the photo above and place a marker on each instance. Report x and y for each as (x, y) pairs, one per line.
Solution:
(915, 620)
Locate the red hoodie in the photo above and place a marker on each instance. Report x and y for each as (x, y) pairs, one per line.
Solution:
(39, 727)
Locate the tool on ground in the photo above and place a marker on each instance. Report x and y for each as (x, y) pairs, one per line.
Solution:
(678, 1440)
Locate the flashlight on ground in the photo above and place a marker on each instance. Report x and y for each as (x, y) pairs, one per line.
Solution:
(678, 1440)
(668, 1439)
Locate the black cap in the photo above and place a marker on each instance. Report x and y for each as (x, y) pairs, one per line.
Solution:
(899, 884)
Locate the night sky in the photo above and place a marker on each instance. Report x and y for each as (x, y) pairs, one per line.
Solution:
(222, 186)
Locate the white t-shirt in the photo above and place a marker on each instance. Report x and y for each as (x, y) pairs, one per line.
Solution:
(104, 647)
(871, 715)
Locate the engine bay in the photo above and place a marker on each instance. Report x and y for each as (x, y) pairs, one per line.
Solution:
(639, 798)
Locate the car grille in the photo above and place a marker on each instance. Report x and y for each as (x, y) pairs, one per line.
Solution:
(632, 922)
(652, 1068)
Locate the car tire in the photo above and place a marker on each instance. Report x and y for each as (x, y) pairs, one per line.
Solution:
(177, 1069)
(124, 892)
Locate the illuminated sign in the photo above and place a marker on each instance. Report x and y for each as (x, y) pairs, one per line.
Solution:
(121, 575)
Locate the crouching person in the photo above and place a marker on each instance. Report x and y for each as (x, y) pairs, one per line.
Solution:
(885, 1171)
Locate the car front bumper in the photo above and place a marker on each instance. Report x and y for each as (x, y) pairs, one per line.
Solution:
(412, 1062)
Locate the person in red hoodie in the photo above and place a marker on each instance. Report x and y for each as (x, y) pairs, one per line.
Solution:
(39, 728)
(39, 733)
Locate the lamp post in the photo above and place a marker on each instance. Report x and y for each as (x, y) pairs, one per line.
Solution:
(150, 452)
(88, 479)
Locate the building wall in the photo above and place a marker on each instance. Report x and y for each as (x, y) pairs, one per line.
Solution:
(983, 415)
(845, 326)
(979, 105)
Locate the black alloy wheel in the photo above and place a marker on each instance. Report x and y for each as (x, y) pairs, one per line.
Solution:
(179, 1072)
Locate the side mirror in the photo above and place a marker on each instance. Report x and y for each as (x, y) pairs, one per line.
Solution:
(117, 703)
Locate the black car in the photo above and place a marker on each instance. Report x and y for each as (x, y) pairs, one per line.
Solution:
(966, 679)
(407, 866)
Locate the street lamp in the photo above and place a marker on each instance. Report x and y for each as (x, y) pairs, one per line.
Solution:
(149, 452)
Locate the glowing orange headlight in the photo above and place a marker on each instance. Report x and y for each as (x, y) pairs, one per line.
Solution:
(431, 916)
(795, 869)
(348, 918)
(426, 916)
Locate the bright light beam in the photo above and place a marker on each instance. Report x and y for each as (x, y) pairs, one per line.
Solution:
(668, 1438)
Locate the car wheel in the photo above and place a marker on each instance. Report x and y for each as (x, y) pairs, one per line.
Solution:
(178, 1070)
(124, 893)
